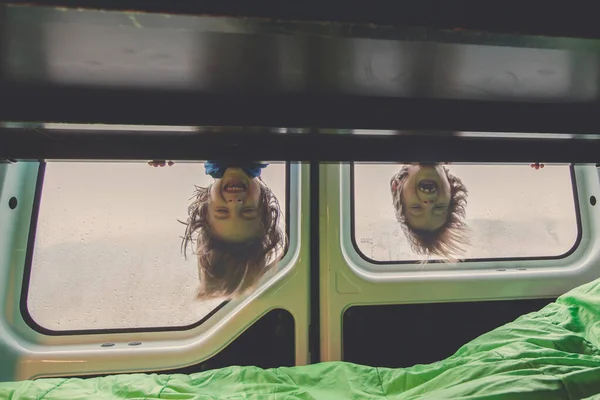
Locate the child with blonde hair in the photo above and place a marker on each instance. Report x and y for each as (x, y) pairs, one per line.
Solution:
(430, 205)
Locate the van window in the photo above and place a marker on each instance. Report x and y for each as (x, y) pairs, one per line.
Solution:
(511, 212)
(107, 248)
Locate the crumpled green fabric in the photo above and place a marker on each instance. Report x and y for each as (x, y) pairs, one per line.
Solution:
(550, 354)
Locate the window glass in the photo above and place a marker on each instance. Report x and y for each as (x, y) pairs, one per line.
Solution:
(107, 251)
(510, 211)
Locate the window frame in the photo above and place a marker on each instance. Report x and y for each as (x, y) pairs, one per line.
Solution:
(364, 257)
(23, 301)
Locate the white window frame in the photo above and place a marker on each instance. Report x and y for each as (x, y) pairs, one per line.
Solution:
(347, 279)
(38, 355)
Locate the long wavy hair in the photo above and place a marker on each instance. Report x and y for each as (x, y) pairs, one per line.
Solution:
(450, 239)
(227, 269)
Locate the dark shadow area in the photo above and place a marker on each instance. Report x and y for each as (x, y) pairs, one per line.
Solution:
(398, 336)
(489, 16)
(268, 343)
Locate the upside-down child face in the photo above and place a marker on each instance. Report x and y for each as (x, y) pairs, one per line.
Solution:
(233, 209)
(425, 196)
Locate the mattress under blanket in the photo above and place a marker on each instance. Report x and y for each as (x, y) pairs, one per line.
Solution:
(549, 354)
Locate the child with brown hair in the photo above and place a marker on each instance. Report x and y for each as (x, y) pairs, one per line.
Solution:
(430, 206)
(233, 226)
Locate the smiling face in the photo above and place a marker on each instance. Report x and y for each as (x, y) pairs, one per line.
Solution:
(426, 196)
(233, 228)
(234, 207)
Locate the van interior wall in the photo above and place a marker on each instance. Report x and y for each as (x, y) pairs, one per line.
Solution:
(398, 336)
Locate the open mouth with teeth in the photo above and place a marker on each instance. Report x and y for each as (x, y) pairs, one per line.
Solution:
(235, 187)
(427, 186)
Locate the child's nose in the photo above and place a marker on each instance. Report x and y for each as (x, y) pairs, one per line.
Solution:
(235, 197)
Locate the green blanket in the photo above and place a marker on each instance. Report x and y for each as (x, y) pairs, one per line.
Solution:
(550, 354)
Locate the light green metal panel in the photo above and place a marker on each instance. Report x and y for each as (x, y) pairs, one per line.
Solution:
(348, 279)
(19, 181)
(27, 354)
